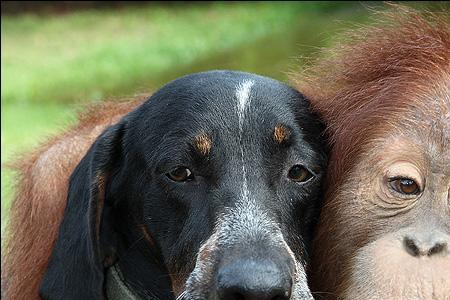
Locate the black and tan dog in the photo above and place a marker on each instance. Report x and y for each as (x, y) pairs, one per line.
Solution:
(208, 190)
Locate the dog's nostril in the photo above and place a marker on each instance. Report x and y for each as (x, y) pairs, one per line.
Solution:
(238, 296)
(251, 280)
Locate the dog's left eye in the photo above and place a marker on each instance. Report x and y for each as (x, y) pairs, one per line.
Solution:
(298, 173)
(180, 174)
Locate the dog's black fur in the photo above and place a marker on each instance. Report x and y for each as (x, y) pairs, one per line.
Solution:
(123, 207)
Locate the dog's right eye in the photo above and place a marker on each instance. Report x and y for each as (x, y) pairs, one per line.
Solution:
(180, 174)
(298, 173)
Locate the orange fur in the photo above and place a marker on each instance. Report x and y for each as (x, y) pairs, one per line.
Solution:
(203, 144)
(40, 199)
(394, 74)
(373, 73)
(280, 133)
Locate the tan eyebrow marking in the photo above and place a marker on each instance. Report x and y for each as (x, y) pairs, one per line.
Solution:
(203, 143)
(281, 133)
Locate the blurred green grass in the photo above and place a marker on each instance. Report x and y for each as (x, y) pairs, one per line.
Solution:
(83, 55)
(51, 63)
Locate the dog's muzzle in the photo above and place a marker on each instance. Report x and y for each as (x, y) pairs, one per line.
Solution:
(247, 258)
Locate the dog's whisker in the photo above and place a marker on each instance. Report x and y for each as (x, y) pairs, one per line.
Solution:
(139, 286)
(323, 295)
(182, 295)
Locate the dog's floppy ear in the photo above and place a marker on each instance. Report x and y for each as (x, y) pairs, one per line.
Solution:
(79, 258)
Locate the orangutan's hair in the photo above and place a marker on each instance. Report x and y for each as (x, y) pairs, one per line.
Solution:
(374, 73)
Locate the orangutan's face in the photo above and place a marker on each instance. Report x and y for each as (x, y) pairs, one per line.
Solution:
(400, 191)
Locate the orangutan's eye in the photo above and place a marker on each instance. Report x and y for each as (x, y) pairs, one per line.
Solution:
(404, 186)
(180, 174)
(298, 173)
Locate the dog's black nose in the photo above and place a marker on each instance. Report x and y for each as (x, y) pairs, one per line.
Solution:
(246, 279)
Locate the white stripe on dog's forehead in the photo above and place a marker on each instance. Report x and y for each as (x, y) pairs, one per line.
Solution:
(243, 91)
(243, 96)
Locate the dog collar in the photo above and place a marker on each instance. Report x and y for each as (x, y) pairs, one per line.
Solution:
(116, 288)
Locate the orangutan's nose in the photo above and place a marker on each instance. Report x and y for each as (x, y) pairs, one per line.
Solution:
(427, 244)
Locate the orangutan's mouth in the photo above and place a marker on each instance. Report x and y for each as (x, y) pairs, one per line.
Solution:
(384, 270)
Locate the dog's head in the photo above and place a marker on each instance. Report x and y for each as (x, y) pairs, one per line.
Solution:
(209, 190)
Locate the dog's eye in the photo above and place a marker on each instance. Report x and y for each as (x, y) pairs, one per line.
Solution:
(180, 174)
(298, 173)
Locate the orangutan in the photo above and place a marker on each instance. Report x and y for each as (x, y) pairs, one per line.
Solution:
(384, 93)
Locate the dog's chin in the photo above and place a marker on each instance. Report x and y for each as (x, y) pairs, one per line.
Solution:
(384, 270)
